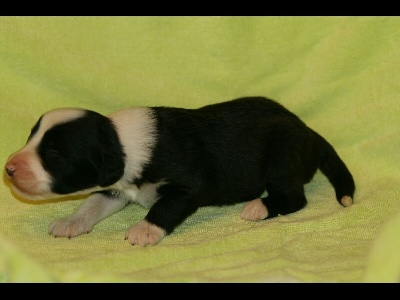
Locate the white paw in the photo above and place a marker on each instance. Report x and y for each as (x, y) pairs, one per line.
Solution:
(254, 210)
(69, 227)
(144, 233)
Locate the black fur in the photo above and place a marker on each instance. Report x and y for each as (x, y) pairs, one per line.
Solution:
(219, 154)
(231, 152)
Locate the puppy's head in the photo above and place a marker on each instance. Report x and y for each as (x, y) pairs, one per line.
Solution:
(69, 151)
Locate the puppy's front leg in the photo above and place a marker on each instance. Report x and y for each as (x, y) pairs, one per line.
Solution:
(97, 207)
(173, 207)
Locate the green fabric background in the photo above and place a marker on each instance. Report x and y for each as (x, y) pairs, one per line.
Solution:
(341, 75)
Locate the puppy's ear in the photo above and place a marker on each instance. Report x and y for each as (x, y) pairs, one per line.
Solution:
(110, 154)
(111, 168)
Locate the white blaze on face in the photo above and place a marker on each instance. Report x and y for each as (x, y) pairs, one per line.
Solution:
(24, 168)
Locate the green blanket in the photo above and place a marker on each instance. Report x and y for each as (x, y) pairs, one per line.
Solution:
(339, 74)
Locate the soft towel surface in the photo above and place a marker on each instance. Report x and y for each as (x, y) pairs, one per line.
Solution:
(339, 74)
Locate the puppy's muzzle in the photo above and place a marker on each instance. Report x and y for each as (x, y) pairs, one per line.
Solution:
(17, 166)
(26, 174)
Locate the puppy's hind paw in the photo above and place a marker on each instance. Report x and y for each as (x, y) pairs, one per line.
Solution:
(254, 210)
(69, 227)
(144, 234)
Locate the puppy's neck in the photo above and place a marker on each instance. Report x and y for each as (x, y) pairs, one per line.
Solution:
(136, 129)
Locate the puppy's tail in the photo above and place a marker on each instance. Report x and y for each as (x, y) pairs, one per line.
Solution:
(336, 171)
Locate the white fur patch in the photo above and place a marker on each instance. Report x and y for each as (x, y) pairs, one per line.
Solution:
(148, 195)
(136, 130)
(145, 196)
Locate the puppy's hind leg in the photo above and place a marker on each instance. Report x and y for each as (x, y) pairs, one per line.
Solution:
(285, 198)
(97, 207)
(280, 201)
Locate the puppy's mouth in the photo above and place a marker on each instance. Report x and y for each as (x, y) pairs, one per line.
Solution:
(27, 189)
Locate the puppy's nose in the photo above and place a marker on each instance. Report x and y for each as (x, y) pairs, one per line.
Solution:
(10, 169)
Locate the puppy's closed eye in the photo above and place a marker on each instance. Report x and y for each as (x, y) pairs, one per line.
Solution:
(54, 157)
(52, 152)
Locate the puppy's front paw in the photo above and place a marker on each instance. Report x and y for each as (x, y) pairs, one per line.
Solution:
(144, 233)
(69, 227)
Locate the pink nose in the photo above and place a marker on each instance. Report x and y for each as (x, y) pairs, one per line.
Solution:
(10, 169)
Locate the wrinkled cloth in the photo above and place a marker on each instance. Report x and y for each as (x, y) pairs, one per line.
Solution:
(340, 75)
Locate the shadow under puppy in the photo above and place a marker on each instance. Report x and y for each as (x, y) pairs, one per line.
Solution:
(173, 161)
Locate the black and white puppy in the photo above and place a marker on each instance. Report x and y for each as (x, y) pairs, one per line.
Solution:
(173, 161)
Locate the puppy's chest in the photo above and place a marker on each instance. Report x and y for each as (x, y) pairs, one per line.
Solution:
(145, 195)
